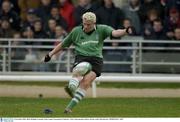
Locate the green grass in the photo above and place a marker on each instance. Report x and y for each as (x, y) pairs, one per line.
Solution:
(139, 85)
(102, 84)
(30, 83)
(98, 107)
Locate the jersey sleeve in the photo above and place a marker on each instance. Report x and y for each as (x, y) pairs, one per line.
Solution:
(68, 40)
(107, 31)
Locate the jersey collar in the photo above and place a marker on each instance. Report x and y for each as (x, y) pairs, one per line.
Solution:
(89, 33)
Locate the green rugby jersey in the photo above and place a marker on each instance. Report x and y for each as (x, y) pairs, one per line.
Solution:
(88, 44)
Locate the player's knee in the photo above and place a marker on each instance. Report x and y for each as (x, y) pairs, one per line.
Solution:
(85, 84)
(82, 69)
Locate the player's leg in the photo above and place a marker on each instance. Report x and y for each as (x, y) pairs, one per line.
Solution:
(72, 85)
(85, 83)
(81, 91)
(79, 71)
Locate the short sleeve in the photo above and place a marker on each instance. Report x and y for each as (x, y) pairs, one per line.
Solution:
(68, 40)
(107, 31)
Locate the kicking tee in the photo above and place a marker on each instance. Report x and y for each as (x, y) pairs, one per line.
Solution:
(88, 44)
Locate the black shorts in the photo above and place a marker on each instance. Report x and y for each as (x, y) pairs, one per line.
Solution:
(97, 63)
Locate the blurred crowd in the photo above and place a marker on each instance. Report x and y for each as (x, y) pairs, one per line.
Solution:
(53, 19)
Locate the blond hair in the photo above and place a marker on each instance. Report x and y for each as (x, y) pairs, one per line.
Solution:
(89, 16)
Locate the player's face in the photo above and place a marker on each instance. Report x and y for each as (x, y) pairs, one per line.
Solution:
(88, 26)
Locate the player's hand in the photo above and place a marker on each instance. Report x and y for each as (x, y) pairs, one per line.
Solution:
(130, 30)
(47, 58)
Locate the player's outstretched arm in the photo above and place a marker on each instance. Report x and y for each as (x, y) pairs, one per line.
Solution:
(54, 51)
(121, 32)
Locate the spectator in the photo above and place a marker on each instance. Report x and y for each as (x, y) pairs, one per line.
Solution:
(54, 14)
(30, 19)
(171, 22)
(29, 34)
(82, 7)
(12, 16)
(148, 26)
(109, 14)
(67, 11)
(51, 28)
(38, 30)
(149, 5)
(132, 11)
(17, 53)
(168, 4)
(6, 31)
(60, 33)
(31, 59)
(25, 5)
(177, 33)
(14, 5)
(158, 32)
(31, 56)
(44, 10)
(127, 22)
(176, 37)
(32, 64)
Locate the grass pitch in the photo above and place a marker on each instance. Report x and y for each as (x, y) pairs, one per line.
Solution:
(138, 85)
(89, 107)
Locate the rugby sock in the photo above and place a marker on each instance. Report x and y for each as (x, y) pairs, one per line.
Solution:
(73, 84)
(79, 94)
